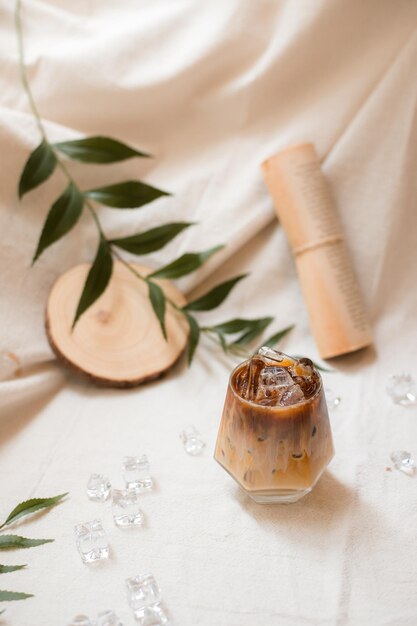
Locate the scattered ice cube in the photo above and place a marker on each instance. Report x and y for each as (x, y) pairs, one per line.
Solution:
(144, 597)
(126, 508)
(108, 618)
(292, 395)
(98, 488)
(151, 616)
(142, 591)
(404, 462)
(402, 389)
(81, 620)
(9, 365)
(91, 541)
(192, 441)
(136, 473)
(275, 376)
(332, 399)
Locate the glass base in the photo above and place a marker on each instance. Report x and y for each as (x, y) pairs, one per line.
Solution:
(284, 496)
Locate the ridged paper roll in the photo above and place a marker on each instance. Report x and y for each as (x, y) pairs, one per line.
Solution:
(308, 215)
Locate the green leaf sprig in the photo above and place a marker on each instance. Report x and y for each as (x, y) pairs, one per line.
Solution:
(13, 542)
(73, 201)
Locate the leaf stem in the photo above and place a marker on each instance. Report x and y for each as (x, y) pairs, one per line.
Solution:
(22, 68)
(141, 277)
(126, 264)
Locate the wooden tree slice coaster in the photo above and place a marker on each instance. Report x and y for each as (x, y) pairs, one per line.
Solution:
(118, 341)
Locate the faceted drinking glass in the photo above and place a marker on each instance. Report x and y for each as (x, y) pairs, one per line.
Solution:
(275, 439)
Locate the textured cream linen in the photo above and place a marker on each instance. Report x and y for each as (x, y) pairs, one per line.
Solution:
(212, 89)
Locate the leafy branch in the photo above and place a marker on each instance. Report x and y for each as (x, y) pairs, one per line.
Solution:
(73, 201)
(13, 542)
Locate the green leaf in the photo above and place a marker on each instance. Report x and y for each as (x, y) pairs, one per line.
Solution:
(185, 264)
(62, 216)
(97, 279)
(157, 298)
(239, 324)
(215, 296)
(234, 326)
(8, 542)
(98, 150)
(274, 339)
(250, 329)
(194, 336)
(31, 506)
(8, 596)
(129, 195)
(39, 166)
(151, 240)
(256, 328)
(6, 569)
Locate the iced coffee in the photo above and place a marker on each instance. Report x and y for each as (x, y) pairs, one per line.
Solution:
(274, 437)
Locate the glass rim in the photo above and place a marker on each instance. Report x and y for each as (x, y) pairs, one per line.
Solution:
(277, 408)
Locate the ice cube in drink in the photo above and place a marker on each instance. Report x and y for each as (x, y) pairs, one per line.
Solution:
(274, 438)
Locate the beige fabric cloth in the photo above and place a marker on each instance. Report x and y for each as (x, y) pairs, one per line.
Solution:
(212, 89)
